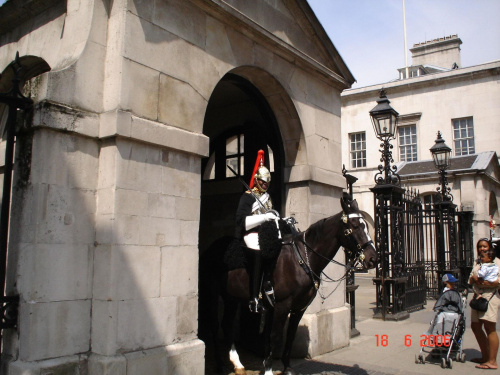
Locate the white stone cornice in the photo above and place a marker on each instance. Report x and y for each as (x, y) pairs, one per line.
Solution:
(430, 80)
(301, 173)
(123, 124)
(118, 123)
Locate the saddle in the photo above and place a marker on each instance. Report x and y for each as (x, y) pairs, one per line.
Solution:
(269, 240)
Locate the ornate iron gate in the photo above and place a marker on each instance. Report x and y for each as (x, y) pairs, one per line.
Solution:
(414, 261)
(417, 247)
(449, 247)
(391, 274)
(465, 244)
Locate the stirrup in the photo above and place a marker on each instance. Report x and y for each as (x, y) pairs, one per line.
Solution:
(255, 306)
(269, 292)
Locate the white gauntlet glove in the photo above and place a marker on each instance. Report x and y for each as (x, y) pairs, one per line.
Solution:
(256, 220)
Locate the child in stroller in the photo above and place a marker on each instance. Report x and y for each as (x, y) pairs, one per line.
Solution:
(445, 333)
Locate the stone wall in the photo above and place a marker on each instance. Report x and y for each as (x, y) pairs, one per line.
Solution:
(104, 253)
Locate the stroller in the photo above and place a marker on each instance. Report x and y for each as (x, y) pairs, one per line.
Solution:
(444, 337)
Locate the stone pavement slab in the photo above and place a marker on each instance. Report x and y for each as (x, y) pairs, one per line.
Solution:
(383, 347)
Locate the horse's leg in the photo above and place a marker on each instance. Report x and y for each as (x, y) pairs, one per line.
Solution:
(277, 324)
(293, 324)
(268, 354)
(239, 369)
(230, 309)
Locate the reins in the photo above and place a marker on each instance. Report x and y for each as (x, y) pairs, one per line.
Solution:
(319, 278)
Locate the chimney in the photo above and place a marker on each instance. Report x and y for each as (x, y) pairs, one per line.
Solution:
(442, 52)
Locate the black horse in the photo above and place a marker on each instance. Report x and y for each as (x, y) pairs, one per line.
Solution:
(296, 280)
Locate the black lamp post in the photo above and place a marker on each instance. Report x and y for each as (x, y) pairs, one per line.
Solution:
(391, 277)
(446, 256)
(385, 123)
(441, 155)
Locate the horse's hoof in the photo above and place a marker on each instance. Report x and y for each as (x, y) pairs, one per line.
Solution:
(240, 371)
(289, 371)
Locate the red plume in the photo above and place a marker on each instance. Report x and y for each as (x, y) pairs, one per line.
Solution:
(258, 163)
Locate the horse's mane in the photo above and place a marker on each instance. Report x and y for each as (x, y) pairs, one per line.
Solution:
(315, 231)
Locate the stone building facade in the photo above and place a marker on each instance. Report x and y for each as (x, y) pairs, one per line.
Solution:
(439, 95)
(113, 196)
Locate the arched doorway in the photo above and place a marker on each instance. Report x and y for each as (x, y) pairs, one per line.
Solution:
(239, 122)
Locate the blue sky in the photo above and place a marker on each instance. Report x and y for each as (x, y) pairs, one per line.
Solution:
(369, 34)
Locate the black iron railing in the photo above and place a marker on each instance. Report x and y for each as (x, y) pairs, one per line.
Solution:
(15, 101)
(417, 246)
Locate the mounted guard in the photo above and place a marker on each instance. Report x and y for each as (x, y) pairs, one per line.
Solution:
(254, 209)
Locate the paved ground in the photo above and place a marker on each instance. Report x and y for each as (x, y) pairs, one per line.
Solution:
(370, 353)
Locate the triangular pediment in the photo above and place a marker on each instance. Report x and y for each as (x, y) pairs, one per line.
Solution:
(294, 22)
(493, 168)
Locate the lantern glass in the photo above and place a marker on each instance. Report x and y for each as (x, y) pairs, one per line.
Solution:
(384, 118)
(441, 159)
(384, 125)
(440, 153)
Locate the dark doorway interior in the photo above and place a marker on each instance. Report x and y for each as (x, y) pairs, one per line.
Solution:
(239, 122)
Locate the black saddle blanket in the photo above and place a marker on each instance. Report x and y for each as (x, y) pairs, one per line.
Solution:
(269, 242)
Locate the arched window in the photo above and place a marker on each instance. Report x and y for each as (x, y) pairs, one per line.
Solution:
(229, 151)
(430, 199)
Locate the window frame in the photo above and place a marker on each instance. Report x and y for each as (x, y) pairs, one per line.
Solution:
(214, 167)
(458, 148)
(412, 146)
(357, 152)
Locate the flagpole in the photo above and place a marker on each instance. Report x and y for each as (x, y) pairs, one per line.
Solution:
(404, 29)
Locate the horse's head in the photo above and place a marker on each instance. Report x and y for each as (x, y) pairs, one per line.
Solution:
(357, 242)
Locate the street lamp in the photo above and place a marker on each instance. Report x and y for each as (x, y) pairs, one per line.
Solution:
(441, 155)
(391, 276)
(384, 118)
(385, 123)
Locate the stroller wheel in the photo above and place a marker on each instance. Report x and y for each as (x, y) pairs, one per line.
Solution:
(462, 358)
(450, 364)
(417, 360)
(443, 362)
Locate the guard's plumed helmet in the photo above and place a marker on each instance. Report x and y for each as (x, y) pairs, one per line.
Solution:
(263, 174)
(260, 172)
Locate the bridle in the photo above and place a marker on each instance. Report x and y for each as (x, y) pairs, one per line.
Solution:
(351, 265)
(359, 255)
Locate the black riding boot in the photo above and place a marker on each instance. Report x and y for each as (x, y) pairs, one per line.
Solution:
(267, 282)
(255, 279)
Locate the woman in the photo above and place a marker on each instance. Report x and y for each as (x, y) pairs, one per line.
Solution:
(483, 324)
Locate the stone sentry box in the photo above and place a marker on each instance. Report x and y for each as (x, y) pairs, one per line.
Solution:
(103, 246)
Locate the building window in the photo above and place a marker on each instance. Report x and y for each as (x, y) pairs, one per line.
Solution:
(430, 200)
(358, 150)
(408, 143)
(235, 155)
(463, 136)
(229, 151)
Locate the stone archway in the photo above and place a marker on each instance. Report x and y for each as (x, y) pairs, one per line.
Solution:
(249, 106)
(247, 111)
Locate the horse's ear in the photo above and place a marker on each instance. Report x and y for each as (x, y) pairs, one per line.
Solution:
(346, 197)
(346, 201)
(354, 203)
